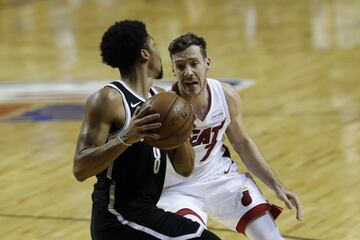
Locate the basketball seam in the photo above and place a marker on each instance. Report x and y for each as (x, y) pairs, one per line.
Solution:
(163, 138)
(167, 114)
(170, 145)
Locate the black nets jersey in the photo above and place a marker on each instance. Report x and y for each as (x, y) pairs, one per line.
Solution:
(137, 175)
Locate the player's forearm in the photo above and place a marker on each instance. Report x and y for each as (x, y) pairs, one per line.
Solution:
(254, 161)
(183, 159)
(92, 161)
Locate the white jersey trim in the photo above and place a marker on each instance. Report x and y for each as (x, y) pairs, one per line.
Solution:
(127, 110)
(157, 234)
(154, 90)
(111, 136)
(112, 200)
(133, 92)
(147, 230)
(126, 124)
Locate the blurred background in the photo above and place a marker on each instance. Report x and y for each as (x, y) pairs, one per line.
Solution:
(295, 63)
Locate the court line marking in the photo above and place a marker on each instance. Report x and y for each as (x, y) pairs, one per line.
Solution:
(76, 90)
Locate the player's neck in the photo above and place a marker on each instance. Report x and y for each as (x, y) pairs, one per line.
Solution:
(138, 81)
(200, 99)
(201, 103)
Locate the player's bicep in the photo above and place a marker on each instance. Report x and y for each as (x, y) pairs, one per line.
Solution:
(93, 134)
(236, 131)
(99, 114)
(94, 128)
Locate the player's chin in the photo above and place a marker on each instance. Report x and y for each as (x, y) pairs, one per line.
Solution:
(160, 74)
(192, 90)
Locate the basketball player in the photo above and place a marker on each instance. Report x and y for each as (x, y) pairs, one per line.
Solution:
(130, 173)
(215, 187)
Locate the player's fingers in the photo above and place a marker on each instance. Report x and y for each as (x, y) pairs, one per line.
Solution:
(142, 111)
(193, 120)
(148, 118)
(300, 211)
(152, 136)
(285, 199)
(300, 214)
(150, 126)
(137, 110)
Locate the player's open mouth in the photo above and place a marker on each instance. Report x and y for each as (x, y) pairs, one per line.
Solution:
(190, 83)
(191, 86)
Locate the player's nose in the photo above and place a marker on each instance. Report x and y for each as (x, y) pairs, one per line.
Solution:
(188, 71)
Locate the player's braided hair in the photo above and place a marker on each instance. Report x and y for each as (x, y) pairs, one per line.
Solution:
(121, 44)
(184, 41)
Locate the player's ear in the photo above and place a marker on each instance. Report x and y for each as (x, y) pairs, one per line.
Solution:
(144, 55)
(207, 63)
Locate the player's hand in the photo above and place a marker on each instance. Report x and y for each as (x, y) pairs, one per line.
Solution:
(142, 125)
(291, 200)
(194, 118)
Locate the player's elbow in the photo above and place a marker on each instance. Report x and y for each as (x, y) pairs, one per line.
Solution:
(78, 175)
(78, 172)
(185, 171)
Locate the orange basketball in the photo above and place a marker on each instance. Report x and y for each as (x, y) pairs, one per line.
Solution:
(176, 119)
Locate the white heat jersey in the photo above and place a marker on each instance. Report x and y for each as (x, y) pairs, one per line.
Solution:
(207, 138)
(215, 188)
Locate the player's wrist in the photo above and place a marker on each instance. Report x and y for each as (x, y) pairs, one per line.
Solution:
(278, 188)
(123, 140)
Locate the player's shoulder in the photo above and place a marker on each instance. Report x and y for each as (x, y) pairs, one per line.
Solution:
(105, 102)
(105, 96)
(231, 94)
(229, 90)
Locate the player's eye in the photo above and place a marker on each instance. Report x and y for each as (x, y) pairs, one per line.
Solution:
(180, 66)
(194, 64)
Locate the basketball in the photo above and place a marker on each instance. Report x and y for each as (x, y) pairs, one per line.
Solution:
(176, 119)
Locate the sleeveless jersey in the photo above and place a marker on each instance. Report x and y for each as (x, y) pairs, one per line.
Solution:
(207, 137)
(137, 175)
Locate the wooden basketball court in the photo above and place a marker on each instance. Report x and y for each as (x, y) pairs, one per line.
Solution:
(302, 109)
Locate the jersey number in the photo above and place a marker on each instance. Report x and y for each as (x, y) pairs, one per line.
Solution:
(209, 148)
(157, 161)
